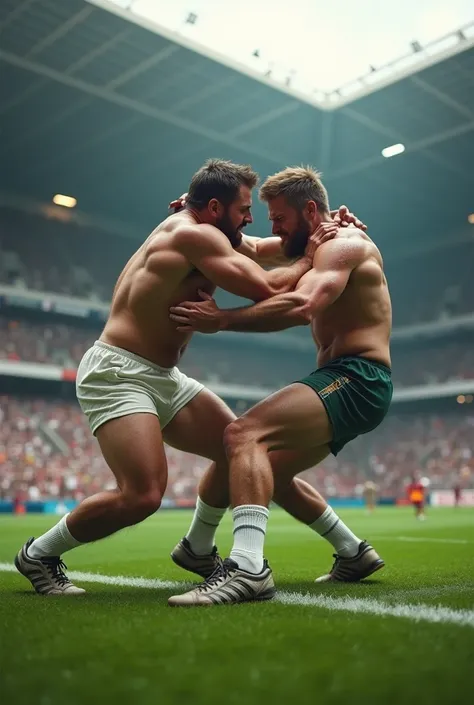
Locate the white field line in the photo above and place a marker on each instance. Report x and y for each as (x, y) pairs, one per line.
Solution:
(416, 613)
(420, 539)
(120, 580)
(300, 529)
(429, 591)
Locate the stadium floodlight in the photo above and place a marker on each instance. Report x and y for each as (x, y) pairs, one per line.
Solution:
(67, 201)
(470, 218)
(393, 150)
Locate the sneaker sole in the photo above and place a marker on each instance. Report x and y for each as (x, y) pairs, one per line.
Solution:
(267, 595)
(378, 565)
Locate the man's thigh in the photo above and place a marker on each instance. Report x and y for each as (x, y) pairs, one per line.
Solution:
(132, 447)
(199, 427)
(293, 419)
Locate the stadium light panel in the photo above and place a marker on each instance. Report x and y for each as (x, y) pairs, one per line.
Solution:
(67, 201)
(393, 150)
(470, 218)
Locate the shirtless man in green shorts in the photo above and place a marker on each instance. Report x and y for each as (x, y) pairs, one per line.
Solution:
(345, 300)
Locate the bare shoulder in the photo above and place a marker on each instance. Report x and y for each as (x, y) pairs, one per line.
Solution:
(200, 237)
(350, 247)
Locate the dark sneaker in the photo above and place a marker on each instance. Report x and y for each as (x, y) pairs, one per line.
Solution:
(184, 556)
(229, 585)
(45, 574)
(351, 570)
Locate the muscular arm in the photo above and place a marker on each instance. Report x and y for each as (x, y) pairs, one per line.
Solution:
(212, 254)
(266, 251)
(316, 291)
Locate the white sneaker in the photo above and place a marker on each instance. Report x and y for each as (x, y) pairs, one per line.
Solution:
(45, 574)
(229, 585)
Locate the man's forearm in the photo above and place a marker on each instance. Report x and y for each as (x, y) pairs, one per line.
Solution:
(284, 279)
(274, 314)
(269, 253)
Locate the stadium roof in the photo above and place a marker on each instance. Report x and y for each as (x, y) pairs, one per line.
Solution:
(325, 53)
(119, 117)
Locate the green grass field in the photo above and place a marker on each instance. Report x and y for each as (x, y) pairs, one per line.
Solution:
(407, 636)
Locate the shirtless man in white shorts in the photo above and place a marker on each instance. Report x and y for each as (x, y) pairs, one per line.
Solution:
(133, 394)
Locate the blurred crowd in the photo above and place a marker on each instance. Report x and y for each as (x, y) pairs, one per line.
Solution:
(211, 361)
(47, 452)
(48, 255)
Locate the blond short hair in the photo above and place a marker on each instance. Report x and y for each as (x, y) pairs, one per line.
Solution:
(299, 184)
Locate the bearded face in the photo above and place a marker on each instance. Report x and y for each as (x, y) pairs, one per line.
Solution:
(295, 241)
(227, 224)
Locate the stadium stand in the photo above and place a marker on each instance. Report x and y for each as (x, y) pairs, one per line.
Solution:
(47, 452)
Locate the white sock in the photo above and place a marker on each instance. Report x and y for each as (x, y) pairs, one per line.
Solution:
(250, 525)
(202, 532)
(54, 542)
(333, 529)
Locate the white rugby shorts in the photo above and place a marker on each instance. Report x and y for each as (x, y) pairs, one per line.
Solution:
(112, 382)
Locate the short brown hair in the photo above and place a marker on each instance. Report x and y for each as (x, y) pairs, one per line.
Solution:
(299, 184)
(219, 179)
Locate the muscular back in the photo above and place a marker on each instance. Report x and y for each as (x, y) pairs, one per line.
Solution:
(156, 277)
(359, 321)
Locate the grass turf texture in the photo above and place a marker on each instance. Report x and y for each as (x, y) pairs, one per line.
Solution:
(124, 644)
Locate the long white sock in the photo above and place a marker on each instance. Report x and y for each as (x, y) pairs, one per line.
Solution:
(250, 525)
(54, 542)
(202, 532)
(333, 529)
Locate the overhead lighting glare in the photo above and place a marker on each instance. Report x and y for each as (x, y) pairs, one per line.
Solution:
(67, 201)
(393, 150)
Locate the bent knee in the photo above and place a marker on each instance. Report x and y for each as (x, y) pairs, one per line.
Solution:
(242, 431)
(139, 506)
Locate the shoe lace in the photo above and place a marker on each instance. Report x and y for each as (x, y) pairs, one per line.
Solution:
(220, 573)
(56, 568)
